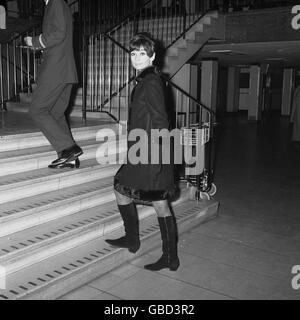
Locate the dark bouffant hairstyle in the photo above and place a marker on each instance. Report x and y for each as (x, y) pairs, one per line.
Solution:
(143, 40)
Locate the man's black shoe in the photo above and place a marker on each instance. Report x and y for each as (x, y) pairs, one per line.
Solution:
(69, 164)
(71, 153)
(67, 155)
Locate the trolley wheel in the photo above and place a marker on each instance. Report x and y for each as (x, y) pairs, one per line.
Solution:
(213, 190)
(204, 196)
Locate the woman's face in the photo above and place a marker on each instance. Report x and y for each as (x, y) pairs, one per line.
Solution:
(140, 59)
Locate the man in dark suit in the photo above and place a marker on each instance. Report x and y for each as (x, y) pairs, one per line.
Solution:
(55, 79)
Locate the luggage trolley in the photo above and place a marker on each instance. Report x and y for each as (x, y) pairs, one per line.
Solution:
(197, 145)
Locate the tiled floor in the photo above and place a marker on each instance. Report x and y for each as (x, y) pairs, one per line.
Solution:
(249, 251)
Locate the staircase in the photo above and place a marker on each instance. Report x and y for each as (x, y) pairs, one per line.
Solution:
(53, 222)
(211, 26)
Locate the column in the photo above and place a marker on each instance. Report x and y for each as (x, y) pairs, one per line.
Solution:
(2, 17)
(255, 94)
(209, 83)
(183, 79)
(233, 89)
(287, 90)
(194, 91)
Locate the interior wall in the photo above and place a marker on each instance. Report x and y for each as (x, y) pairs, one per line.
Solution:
(276, 88)
(222, 90)
(244, 89)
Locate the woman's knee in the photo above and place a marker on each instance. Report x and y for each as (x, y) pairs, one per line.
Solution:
(121, 199)
(162, 208)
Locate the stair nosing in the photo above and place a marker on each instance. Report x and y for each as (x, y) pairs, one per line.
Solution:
(34, 161)
(47, 208)
(57, 179)
(61, 238)
(71, 278)
(57, 174)
(35, 151)
(38, 134)
(112, 221)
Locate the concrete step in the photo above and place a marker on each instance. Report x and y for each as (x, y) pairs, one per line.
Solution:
(195, 38)
(207, 19)
(32, 183)
(101, 115)
(13, 162)
(213, 14)
(21, 107)
(25, 97)
(61, 235)
(99, 95)
(37, 139)
(58, 274)
(92, 114)
(93, 86)
(79, 91)
(76, 110)
(57, 236)
(62, 223)
(92, 91)
(23, 214)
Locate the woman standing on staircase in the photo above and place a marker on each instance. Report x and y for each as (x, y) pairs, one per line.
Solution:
(152, 183)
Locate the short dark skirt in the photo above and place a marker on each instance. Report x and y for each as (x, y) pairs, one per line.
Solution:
(140, 195)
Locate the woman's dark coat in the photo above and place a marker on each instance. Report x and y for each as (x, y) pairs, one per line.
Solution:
(148, 182)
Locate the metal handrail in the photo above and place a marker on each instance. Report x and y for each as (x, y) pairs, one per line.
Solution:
(22, 34)
(18, 65)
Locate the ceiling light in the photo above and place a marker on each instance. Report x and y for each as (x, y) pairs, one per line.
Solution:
(276, 59)
(219, 51)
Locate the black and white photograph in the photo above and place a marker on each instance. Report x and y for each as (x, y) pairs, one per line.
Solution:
(149, 153)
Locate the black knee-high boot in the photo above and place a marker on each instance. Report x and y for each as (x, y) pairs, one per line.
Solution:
(131, 240)
(169, 258)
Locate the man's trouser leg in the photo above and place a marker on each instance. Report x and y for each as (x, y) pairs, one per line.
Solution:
(47, 109)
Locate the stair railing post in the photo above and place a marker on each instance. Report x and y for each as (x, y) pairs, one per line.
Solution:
(1, 80)
(119, 74)
(8, 71)
(15, 67)
(111, 70)
(28, 69)
(84, 80)
(184, 18)
(34, 61)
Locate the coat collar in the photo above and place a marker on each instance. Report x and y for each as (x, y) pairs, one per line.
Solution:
(145, 72)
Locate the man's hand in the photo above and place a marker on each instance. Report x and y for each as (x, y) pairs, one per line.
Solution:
(28, 41)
